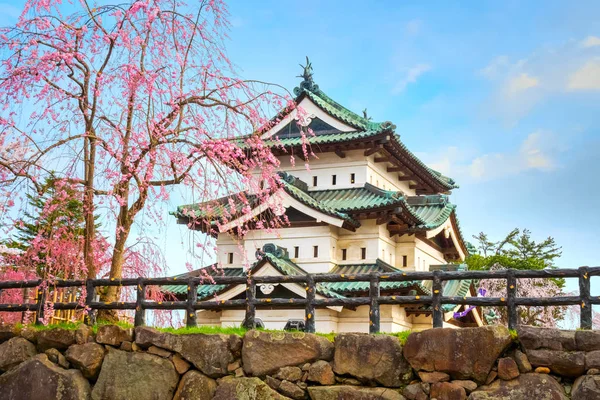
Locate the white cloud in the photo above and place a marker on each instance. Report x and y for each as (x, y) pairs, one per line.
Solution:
(591, 41)
(413, 27)
(412, 75)
(494, 68)
(536, 153)
(521, 83)
(587, 77)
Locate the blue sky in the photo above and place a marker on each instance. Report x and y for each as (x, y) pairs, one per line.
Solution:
(502, 96)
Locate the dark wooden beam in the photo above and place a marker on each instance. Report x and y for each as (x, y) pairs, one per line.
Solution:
(340, 153)
(397, 228)
(373, 150)
(384, 218)
(403, 178)
(382, 159)
(396, 169)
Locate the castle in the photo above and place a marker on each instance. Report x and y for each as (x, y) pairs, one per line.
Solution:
(366, 204)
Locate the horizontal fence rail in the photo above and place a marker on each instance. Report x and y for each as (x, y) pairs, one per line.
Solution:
(436, 300)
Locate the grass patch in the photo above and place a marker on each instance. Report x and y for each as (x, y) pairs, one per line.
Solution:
(122, 324)
(513, 335)
(71, 326)
(402, 335)
(208, 330)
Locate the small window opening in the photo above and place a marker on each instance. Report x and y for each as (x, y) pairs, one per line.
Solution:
(344, 254)
(352, 178)
(296, 251)
(363, 253)
(404, 261)
(314, 181)
(333, 179)
(315, 251)
(230, 258)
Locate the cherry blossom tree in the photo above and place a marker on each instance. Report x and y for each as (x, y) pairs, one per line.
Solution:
(519, 251)
(122, 102)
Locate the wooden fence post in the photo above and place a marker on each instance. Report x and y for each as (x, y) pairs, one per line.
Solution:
(511, 294)
(374, 314)
(39, 315)
(250, 319)
(584, 295)
(140, 312)
(90, 291)
(309, 311)
(192, 297)
(436, 301)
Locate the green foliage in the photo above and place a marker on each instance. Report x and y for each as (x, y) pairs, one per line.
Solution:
(517, 250)
(208, 330)
(57, 211)
(71, 326)
(402, 335)
(513, 335)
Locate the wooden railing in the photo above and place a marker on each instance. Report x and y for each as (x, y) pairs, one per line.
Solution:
(191, 305)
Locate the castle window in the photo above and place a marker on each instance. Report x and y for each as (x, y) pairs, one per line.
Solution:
(314, 181)
(344, 254)
(315, 251)
(363, 253)
(229, 258)
(352, 176)
(296, 251)
(333, 179)
(404, 261)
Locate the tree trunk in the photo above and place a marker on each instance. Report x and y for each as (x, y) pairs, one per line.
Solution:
(88, 208)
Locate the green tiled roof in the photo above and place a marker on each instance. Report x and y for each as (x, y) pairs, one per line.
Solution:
(309, 200)
(379, 266)
(431, 211)
(426, 212)
(368, 127)
(205, 290)
(338, 111)
(356, 199)
(327, 138)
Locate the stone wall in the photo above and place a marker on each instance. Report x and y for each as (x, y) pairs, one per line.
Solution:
(442, 364)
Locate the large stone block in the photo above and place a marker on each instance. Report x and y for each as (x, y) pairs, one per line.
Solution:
(586, 387)
(195, 386)
(533, 338)
(87, 358)
(231, 388)
(587, 340)
(530, 386)
(40, 379)
(15, 351)
(566, 363)
(56, 338)
(263, 353)
(447, 391)
(211, 354)
(113, 335)
(8, 331)
(467, 353)
(343, 392)
(372, 358)
(135, 376)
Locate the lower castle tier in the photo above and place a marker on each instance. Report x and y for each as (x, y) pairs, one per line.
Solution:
(366, 204)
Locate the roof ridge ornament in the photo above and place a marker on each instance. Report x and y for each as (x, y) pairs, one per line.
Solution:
(365, 115)
(307, 79)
